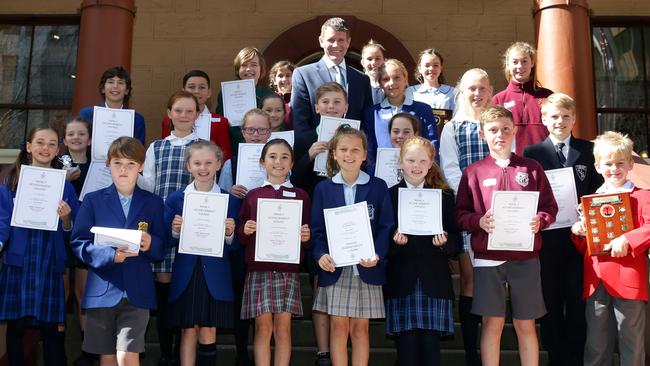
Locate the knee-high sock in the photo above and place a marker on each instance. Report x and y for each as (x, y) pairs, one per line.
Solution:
(53, 344)
(206, 355)
(469, 327)
(165, 337)
(407, 348)
(429, 347)
(15, 333)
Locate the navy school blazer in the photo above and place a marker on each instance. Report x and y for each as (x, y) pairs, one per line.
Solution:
(328, 194)
(106, 279)
(216, 271)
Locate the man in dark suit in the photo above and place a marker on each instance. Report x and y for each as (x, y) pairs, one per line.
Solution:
(335, 40)
(563, 328)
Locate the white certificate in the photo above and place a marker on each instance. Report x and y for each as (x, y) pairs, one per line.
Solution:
(285, 135)
(204, 223)
(238, 98)
(127, 239)
(250, 173)
(98, 177)
(387, 165)
(108, 125)
(349, 235)
(564, 190)
(38, 195)
(513, 211)
(326, 129)
(278, 230)
(419, 211)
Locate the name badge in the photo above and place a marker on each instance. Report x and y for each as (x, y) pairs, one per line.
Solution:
(386, 114)
(490, 182)
(215, 119)
(288, 194)
(509, 104)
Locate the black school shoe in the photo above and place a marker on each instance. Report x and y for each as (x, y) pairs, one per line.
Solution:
(323, 359)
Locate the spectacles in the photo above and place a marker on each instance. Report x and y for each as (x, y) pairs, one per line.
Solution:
(252, 130)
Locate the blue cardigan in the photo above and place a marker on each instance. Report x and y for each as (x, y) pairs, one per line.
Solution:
(215, 270)
(328, 194)
(14, 240)
(108, 280)
(138, 123)
(421, 110)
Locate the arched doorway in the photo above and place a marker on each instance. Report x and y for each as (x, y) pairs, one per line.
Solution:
(299, 44)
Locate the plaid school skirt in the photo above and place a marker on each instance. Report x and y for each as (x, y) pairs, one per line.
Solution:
(350, 296)
(165, 265)
(34, 290)
(419, 311)
(271, 292)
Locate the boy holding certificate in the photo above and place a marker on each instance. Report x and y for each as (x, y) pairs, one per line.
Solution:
(616, 285)
(563, 327)
(120, 289)
(115, 88)
(503, 170)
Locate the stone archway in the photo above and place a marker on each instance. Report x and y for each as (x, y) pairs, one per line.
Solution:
(299, 44)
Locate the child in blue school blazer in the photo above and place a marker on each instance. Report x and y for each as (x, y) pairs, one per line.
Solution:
(201, 294)
(33, 261)
(352, 294)
(120, 289)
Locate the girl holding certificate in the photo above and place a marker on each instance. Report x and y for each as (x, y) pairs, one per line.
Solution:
(164, 172)
(272, 289)
(419, 293)
(201, 295)
(352, 294)
(31, 278)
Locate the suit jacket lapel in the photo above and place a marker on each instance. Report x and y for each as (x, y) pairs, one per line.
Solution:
(323, 72)
(574, 153)
(549, 149)
(112, 201)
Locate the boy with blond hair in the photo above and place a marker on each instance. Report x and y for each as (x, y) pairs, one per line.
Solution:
(615, 285)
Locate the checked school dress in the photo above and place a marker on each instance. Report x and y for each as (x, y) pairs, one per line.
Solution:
(170, 176)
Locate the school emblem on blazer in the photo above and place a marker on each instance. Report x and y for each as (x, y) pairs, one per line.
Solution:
(522, 179)
(371, 211)
(581, 171)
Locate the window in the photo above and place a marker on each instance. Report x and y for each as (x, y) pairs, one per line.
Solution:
(37, 71)
(621, 54)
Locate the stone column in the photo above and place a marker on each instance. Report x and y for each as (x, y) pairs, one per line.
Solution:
(564, 59)
(105, 40)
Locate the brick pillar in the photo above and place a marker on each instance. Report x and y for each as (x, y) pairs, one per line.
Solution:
(564, 60)
(105, 39)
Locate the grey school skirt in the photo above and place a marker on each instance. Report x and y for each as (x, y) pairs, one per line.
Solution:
(350, 296)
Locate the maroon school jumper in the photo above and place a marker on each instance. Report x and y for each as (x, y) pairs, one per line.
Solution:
(248, 211)
(475, 197)
(524, 101)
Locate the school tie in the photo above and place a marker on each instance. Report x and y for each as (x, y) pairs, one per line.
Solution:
(338, 75)
(560, 155)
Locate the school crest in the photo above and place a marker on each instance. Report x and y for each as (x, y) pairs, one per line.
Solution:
(371, 211)
(522, 179)
(581, 171)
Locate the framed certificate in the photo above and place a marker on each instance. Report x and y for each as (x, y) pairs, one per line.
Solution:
(98, 177)
(238, 98)
(278, 230)
(564, 190)
(513, 211)
(285, 135)
(349, 234)
(108, 125)
(204, 223)
(419, 211)
(607, 216)
(250, 173)
(387, 165)
(38, 195)
(326, 129)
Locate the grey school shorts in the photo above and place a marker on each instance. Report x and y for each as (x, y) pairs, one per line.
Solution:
(524, 283)
(120, 328)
